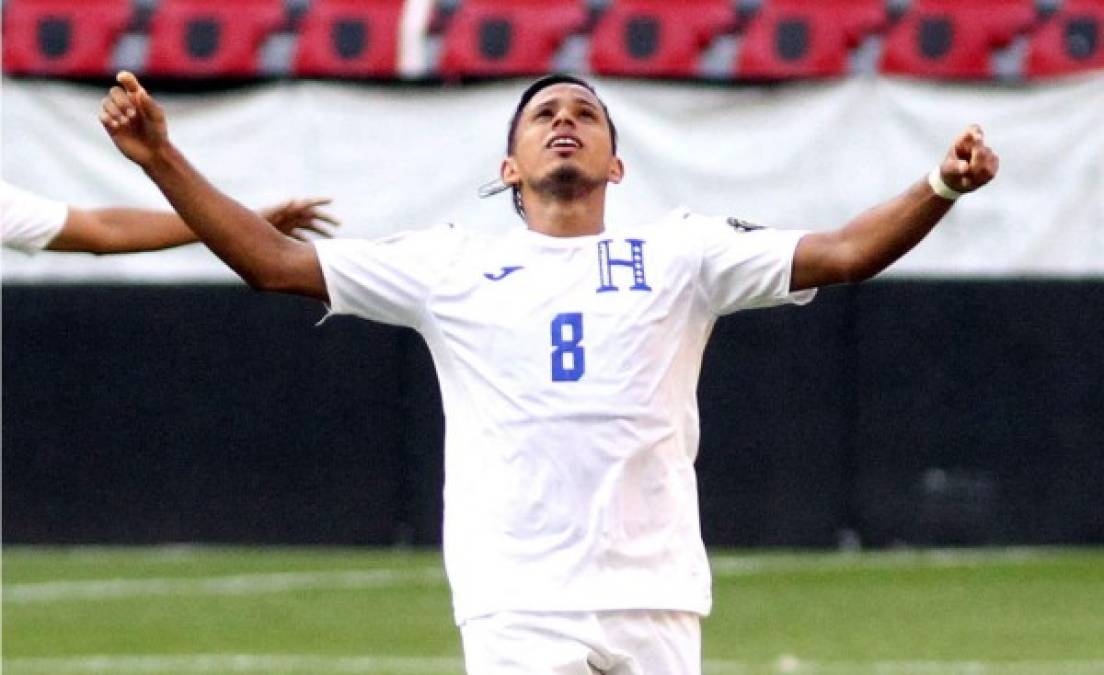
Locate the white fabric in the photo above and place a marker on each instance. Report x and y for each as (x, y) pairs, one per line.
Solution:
(29, 222)
(568, 375)
(583, 643)
(939, 187)
(801, 155)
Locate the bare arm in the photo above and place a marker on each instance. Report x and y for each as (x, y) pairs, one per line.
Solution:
(875, 239)
(120, 230)
(126, 230)
(259, 253)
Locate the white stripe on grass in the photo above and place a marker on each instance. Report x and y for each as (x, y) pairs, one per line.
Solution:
(233, 663)
(724, 566)
(750, 565)
(243, 584)
(201, 664)
(797, 667)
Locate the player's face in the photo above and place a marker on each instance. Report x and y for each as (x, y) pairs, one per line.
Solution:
(564, 125)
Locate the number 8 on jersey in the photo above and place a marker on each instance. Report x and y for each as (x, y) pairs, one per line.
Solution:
(568, 356)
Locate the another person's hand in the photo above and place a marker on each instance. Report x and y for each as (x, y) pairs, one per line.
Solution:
(135, 122)
(296, 217)
(970, 163)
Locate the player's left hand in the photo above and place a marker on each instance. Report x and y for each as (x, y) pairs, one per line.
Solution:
(970, 163)
(296, 217)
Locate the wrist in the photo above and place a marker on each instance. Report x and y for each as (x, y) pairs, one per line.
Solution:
(940, 187)
(164, 158)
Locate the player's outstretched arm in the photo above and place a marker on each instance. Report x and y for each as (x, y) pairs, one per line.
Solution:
(262, 255)
(126, 230)
(876, 238)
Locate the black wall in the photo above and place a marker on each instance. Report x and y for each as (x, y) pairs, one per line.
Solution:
(933, 412)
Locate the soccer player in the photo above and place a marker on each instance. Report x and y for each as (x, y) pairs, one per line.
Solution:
(30, 223)
(568, 353)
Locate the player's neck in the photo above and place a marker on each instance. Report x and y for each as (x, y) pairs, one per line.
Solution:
(572, 218)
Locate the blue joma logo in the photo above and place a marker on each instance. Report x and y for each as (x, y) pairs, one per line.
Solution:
(510, 269)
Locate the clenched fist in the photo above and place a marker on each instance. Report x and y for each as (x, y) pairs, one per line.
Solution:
(970, 163)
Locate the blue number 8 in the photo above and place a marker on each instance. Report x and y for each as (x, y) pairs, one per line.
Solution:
(568, 358)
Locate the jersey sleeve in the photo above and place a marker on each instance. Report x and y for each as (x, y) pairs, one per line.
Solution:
(745, 266)
(389, 279)
(29, 222)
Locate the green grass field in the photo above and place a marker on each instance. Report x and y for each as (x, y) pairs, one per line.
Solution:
(184, 610)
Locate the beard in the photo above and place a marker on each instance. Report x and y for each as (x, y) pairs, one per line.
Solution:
(566, 183)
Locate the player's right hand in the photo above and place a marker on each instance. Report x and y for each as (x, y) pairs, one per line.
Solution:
(135, 122)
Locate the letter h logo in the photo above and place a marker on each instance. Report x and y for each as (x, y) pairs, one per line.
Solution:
(635, 261)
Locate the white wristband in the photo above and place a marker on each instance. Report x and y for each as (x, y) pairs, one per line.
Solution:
(935, 180)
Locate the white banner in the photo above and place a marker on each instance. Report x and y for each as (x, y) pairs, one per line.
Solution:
(804, 155)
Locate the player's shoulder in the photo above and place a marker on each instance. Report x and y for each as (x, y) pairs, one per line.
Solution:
(435, 243)
(436, 236)
(725, 223)
(673, 225)
(688, 228)
(448, 230)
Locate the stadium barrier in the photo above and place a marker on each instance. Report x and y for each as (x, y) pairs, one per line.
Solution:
(895, 412)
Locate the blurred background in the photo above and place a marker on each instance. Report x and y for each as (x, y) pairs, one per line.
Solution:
(958, 400)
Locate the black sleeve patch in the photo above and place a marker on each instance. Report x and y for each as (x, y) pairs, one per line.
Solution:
(744, 226)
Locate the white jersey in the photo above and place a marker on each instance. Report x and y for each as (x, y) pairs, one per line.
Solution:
(29, 222)
(568, 371)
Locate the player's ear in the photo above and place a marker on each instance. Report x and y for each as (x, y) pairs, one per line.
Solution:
(509, 172)
(616, 170)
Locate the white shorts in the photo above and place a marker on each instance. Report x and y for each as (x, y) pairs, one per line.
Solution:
(634, 642)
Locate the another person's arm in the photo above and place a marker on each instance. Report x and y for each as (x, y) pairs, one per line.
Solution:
(126, 230)
(259, 253)
(878, 237)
